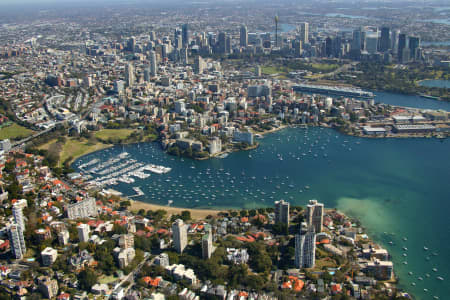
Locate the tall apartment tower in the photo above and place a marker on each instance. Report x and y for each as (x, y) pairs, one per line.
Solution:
(315, 215)
(179, 234)
(243, 37)
(129, 75)
(207, 246)
(153, 63)
(17, 212)
(17, 240)
(282, 212)
(305, 249)
(83, 232)
(185, 35)
(304, 32)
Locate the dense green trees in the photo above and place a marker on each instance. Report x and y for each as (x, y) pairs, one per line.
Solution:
(87, 278)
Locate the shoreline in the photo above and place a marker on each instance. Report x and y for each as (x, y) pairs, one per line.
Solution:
(196, 213)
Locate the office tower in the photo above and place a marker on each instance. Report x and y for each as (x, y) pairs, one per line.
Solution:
(414, 45)
(401, 46)
(131, 44)
(153, 63)
(372, 43)
(179, 234)
(178, 42)
(129, 75)
(315, 215)
(207, 246)
(199, 65)
(394, 40)
(297, 45)
(221, 43)
(304, 33)
(282, 212)
(305, 249)
(276, 31)
(328, 47)
(83, 232)
(147, 73)
(152, 36)
(17, 212)
(185, 35)
(385, 41)
(243, 37)
(184, 56)
(17, 240)
(228, 45)
(357, 40)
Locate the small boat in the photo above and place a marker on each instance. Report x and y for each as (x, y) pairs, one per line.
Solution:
(434, 270)
(425, 248)
(413, 284)
(404, 248)
(440, 278)
(410, 273)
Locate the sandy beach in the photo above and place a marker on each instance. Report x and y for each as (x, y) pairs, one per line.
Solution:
(196, 214)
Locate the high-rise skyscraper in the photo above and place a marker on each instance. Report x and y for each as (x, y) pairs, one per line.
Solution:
(131, 44)
(153, 63)
(414, 45)
(385, 41)
(304, 33)
(185, 35)
(357, 40)
(305, 249)
(315, 215)
(17, 240)
(129, 74)
(243, 36)
(372, 43)
(394, 40)
(222, 43)
(17, 212)
(282, 212)
(179, 235)
(207, 246)
(401, 46)
(276, 31)
(199, 65)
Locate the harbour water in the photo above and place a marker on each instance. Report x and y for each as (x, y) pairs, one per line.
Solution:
(436, 83)
(398, 188)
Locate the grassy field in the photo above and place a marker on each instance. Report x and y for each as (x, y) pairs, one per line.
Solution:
(107, 279)
(14, 131)
(325, 67)
(105, 134)
(75, 148)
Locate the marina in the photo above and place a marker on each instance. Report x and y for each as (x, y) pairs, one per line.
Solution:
(372, 182)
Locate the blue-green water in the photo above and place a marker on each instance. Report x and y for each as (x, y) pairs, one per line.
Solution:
(397, 187)
(436, 83)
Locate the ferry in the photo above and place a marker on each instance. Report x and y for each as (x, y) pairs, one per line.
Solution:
(333, 90)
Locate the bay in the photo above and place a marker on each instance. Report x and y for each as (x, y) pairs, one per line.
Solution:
(436, 83)
(398, 188)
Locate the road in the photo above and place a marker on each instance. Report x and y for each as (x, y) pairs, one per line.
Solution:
(132, 276)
